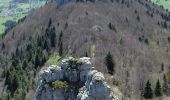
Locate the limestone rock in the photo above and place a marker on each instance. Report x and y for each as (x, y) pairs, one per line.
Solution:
(83, 82)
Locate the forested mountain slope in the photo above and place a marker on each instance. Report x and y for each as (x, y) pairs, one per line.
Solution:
(135, 32)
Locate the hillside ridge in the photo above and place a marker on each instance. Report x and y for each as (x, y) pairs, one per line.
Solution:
(134, 32)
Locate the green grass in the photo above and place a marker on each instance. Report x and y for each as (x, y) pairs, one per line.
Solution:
(53, 59)
(5, 1)
(3, 20)
(164, 3)
(18, 10)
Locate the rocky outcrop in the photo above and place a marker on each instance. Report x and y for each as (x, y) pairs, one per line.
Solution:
(73, 79)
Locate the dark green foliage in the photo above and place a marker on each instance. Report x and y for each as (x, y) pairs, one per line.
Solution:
(73, 64)
(138, 18)
(66, 25)
(146, 41)
(86, 54)
(169, 39)
(165, 84)
(148, 94)
(23, 63)
(109, 63)
(168, 75)
(60, 44)
(162, 67)
(14, 84)
(140, 39)
(53, 37)
(49, 22)
(37, 61)
(112, 27)
(3, 46)
(158, 90)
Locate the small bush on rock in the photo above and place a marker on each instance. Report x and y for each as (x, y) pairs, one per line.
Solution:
(74, 63)
(59, 84)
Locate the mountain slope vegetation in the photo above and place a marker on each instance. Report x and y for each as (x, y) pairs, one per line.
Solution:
(134, 32)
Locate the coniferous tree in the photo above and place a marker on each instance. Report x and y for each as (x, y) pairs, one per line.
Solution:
(24, 64)
(39, 41)
(162, 67)
(158, 91)
(46, 45)
(60, 44)
(165, 85)
(7, 76)
(86, 54)
(37, 61)
(165, 24)
(15, 84)
(148, 94)
(3, 45)
(109, 63)
(50, 22)
(61, 49)
(53, 37)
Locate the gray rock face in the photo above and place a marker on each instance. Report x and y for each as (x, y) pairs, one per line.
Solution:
(83, 82)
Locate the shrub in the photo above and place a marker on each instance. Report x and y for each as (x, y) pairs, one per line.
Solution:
(158, 90)
(59, 84)
(148, 94)
(109, 63)
(112, 27)
(74, 63)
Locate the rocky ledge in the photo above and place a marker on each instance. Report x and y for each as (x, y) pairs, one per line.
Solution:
(73, 79)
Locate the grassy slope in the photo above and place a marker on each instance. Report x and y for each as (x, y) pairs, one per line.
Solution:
(164, 3)
(20, 10)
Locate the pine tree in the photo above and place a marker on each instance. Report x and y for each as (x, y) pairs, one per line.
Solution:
(158, 91)
(109, 63)
(3, 45)
(36, 61)
(165, 85)
(61, 49)
(49, 22)
(86, 54)
(162, 67)
(60, 45)
(15, 84)
(24, 64)
(148, 94)
(53, 37)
